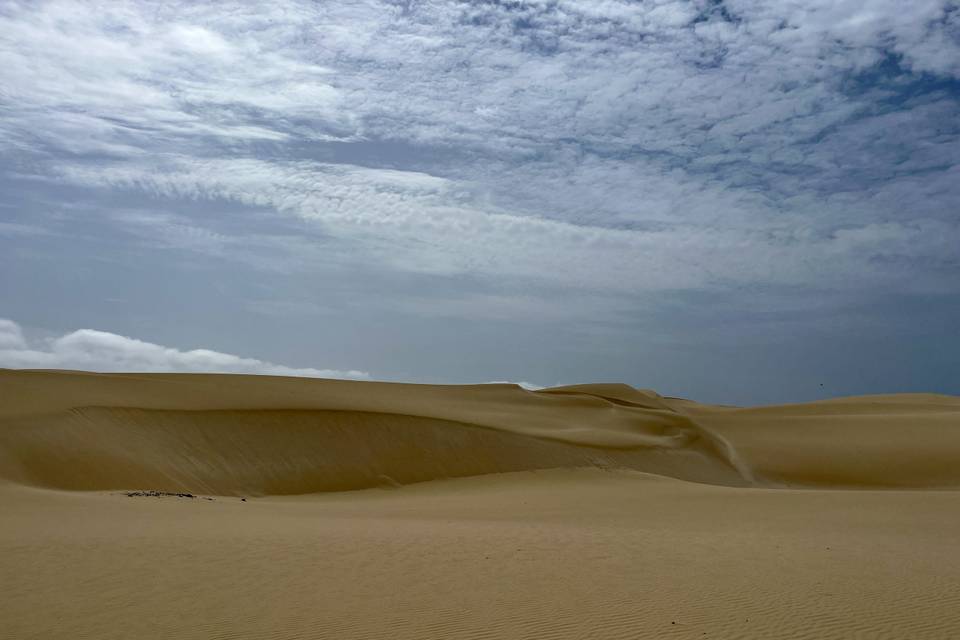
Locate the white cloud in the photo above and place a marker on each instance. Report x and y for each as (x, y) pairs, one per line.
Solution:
(624, 146)
(11, 336)
(529, 386)
(436, 228)
(114, 74)
(665, 76)
(90, 350)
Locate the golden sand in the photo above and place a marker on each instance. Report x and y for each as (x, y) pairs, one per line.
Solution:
(371, 510)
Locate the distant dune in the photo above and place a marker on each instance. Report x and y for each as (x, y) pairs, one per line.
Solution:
(230, 506)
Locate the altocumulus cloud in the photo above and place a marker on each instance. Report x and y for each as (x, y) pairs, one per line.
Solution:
(690, 144)
(90, 350)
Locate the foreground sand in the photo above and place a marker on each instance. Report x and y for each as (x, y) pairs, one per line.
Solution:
(533, 515)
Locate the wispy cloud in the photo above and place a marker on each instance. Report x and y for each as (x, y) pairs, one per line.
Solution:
(434, 228)
(684, 144)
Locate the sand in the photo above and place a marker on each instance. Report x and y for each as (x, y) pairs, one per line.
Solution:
(333, 509)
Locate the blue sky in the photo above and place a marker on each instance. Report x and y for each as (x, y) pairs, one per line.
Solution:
(738, 200)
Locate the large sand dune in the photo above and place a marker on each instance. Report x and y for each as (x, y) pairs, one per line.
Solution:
(591, 511)
(252, 435)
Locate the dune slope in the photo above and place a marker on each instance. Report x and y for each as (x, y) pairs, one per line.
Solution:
(249, 435)
(254, 435)
(892, 441)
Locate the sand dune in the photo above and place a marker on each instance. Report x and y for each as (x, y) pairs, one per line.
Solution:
(591, 511)
(253, 435)
(250, 435)
(905, 440)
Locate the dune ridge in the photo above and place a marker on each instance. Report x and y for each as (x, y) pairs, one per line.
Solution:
(257, 435)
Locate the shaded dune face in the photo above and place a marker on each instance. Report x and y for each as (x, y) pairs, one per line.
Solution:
(255, 435)
(263, 452)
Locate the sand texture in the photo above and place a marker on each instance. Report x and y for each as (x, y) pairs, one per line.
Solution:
(214, 506)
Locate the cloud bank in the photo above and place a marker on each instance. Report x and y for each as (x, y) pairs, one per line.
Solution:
(90, 350)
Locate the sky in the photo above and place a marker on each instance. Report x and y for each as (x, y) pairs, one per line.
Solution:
(738, 201)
